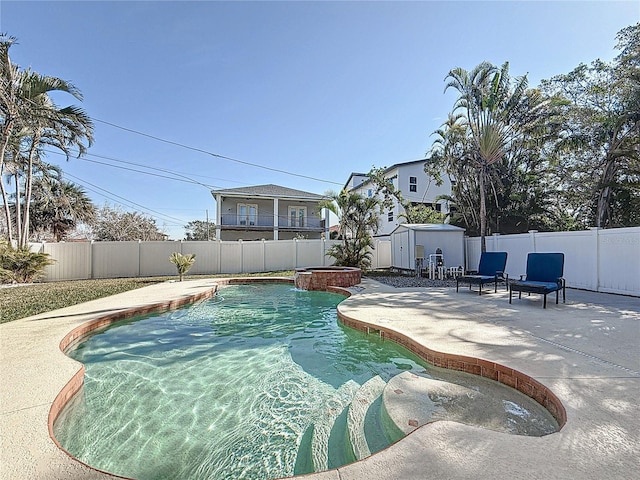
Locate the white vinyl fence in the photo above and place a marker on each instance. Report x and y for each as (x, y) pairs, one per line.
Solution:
(598, 260)
(86, 260)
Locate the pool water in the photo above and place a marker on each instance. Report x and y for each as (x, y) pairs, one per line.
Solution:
(232, 387)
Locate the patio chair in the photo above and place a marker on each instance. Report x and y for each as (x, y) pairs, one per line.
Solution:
(490, 270)
(544, 275)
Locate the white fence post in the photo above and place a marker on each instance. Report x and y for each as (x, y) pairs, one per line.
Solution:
(596, 263)
(532, 236)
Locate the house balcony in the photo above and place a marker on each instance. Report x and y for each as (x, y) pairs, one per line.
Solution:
(265, 222)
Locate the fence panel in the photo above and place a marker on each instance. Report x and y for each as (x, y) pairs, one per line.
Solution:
(154, 258)
(580, 261)
(517, 246)
(115, 259)
(619, 260)
(279, 255)
(72, 260)
(598, 260)
(309, 253)
(207, 256)
(230, 257)
(252, 257)
(601, 260)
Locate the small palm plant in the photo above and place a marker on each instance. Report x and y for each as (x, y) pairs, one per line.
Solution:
(21, 265)
(182, 262)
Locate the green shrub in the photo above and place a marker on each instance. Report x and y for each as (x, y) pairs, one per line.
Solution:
(182, 262)
(22, 265)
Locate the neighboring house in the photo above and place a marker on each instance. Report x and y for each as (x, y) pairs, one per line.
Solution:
(269, 212)
(414, 184)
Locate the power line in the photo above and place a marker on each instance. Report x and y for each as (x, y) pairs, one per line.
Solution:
(176, 174)
(206, 152)
(181, 222)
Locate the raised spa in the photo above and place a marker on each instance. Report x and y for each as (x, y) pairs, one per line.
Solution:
(319, 278)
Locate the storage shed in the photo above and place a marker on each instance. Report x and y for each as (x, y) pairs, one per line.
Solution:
(413, 240)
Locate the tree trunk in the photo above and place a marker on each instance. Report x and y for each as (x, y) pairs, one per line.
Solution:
(24, 237)
(5, 198)
(603, 212)
(483, 212)
(18, 209)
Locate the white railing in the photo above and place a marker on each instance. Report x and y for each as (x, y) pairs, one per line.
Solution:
(86, 260)
(598, 260)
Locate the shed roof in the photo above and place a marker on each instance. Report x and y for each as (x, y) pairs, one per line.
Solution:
(428, 227)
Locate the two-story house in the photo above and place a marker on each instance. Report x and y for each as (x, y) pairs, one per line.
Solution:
(269, 212)
(415, 185)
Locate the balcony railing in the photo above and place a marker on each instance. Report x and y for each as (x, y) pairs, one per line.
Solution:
(266, 221)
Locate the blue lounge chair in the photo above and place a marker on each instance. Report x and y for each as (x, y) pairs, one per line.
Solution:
(544, 275)
(490, 270)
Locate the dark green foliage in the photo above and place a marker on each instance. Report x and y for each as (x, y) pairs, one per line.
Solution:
(358, 217)
(22, 265)
(197, 230)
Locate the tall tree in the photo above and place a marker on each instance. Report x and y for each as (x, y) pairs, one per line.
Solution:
(497, 113)
(198, 230)
(31, 120)
(59, 206)
(599, 154)
(114, 224)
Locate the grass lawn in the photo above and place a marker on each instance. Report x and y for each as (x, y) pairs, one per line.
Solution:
(24, 301)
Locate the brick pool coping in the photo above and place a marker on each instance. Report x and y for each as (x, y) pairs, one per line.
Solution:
(475, 366)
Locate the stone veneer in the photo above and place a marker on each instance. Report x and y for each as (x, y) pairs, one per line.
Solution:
(319, 278)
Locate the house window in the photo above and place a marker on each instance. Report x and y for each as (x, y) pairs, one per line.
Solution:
(413, 184)
(370, 193)
(297, 216)
(247, 214)
(390, 216)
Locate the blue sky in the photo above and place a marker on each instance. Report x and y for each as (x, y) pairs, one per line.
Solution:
(318, 89)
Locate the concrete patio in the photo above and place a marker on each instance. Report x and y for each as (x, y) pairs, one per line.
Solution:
(586, 351)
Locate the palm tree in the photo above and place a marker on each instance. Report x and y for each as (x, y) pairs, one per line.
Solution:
(58, 206)
(495, 116)
(31, 119)
(357, 219)
(183, 263)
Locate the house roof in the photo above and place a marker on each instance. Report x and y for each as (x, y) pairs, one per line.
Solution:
(386, 170)
(428, 227)
(269, 190)
(354, 174)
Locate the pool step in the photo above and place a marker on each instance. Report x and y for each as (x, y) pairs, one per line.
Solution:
(364, 398)
(304, 460)
(322, 427)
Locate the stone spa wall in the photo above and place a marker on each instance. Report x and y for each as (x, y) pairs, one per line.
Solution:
(319, 278)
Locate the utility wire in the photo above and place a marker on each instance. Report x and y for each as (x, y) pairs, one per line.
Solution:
(181, 222)
(206, 152)
(184, 179)
(181, 145)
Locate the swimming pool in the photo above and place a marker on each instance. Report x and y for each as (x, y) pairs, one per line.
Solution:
(258, 382)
